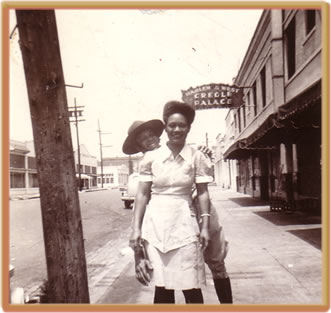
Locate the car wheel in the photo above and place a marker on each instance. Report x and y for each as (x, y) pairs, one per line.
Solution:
(128, 204)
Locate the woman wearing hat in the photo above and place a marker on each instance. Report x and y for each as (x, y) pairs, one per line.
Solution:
(168, 225)
(143, 136)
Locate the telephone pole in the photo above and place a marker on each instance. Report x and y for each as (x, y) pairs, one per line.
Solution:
(101, 158)
(76, 112)
(61, 217)
(207, 140)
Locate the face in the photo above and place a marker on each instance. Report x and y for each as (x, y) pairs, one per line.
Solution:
(147, 140)
(177, 128)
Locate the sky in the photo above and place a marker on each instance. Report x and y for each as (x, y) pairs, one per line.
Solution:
(131, 62)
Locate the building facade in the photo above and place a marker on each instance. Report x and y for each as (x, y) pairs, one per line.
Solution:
(275, 137)
(88, 168)
(115, 171)
(22, 169)
(225, 170)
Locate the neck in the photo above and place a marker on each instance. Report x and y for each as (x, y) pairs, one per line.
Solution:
(175, 149)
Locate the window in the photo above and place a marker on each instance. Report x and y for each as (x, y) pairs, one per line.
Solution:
(239, 120)
(290, 48)
(310, 19)
(32, 163)
(17, 180)
(254, 98)
(87, 169)
(244, 114)
(94, 170)
(248, 103)
(263, 87)
(17, 161)
(33, 180)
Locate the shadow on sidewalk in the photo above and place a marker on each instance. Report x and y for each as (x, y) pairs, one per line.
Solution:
(310, 235)
(283, 219)
(248, 201)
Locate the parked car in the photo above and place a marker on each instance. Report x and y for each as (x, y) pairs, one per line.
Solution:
(128, 193)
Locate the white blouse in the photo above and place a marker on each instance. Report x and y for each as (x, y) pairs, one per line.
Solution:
(169, 220)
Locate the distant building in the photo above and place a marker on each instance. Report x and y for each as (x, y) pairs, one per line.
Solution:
(88, 168)
(22, 167)
(275, 138)
(116, 170)
(225, 170)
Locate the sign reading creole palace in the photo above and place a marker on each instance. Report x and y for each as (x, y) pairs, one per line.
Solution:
(214, 96)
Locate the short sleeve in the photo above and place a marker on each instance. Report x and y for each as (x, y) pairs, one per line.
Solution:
(203, 168)
(145, 168)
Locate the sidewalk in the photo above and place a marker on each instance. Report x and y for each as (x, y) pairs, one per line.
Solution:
(274, 258)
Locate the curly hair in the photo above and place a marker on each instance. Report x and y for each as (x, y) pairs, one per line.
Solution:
(172, 107)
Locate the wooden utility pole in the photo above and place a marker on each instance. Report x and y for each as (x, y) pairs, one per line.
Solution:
(61, 217)
(101, 161)
(76, 112)
(101, 146)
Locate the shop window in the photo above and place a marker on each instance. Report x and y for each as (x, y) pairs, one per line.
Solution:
(17, 161)
(310, 19)
(17, 180)
(290, 48)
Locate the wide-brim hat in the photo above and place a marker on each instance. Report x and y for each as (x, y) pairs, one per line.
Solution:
(130, 145)
(172, 107)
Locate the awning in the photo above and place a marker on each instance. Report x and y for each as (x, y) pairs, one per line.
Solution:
(240, 150)
(299, 120)
(83, 176)
(302, 102)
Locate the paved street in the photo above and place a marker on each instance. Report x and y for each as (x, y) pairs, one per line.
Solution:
(274, 258)
(105, 224)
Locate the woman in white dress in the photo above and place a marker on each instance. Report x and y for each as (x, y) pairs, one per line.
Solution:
(168, 226)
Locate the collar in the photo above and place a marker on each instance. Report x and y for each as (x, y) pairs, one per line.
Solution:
(185, 153)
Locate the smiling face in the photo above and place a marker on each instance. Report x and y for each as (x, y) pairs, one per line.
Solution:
(147, 140)
(177, 129)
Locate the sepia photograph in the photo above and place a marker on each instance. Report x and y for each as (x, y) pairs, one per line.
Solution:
(136, 132)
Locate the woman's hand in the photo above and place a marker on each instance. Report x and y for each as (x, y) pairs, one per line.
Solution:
(143, 271)
(204, 238)
(206, 151)
(135, 239)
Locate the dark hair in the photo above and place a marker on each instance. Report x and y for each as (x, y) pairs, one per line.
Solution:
(172, 107)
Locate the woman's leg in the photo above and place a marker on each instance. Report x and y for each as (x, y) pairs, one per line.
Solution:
(193, 296)
(163, 295)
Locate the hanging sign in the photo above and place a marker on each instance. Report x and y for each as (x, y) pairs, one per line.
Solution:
(214, 96)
